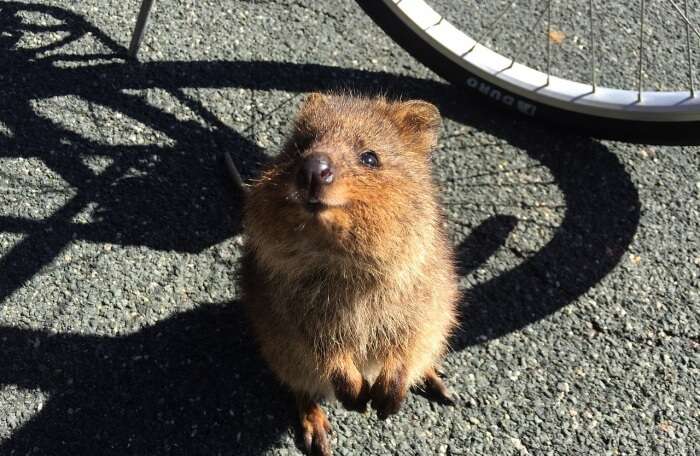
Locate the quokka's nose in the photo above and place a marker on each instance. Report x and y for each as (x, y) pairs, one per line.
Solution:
(316, 171)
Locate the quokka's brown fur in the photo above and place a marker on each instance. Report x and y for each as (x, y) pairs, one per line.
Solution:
(356, 297)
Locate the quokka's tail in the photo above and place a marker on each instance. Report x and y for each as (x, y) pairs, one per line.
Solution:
(234, 174)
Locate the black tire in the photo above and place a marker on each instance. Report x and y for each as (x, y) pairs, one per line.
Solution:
(651, 132)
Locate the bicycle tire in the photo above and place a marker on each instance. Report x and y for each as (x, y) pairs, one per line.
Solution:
(653, 131)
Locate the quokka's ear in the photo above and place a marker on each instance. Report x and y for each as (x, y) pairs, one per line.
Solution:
(419, 123)
(309, 112)
(314, 101)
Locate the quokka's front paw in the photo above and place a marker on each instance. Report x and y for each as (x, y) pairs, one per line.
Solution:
(354, 397)
(387, 395)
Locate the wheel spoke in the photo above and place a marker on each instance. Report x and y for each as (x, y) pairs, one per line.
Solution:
(490, 29)
(690, 54)
(593, 56)
(688, 28)
(530, 33)
(549, 39)
(641, 53)
(685, 19)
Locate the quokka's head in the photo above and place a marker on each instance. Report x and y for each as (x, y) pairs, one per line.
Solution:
(354, 173)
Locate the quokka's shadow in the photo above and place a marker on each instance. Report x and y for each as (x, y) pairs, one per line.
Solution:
(192, 384)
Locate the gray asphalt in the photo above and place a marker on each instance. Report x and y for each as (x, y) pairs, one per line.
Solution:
(120, 329)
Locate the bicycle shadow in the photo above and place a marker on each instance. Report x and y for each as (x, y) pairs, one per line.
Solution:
(192, 384)
(164, 198)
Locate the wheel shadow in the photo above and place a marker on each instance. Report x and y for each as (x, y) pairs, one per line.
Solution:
(601, 219)
(192, 384)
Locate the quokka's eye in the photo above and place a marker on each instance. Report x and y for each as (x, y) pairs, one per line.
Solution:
(369, 159)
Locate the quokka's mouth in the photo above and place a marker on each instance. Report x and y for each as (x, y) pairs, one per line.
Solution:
(313, 204)
(317, 207)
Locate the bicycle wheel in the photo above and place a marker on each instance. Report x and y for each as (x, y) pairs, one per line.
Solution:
(629, 114)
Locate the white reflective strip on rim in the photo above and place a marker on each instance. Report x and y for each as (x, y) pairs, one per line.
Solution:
(529, 83)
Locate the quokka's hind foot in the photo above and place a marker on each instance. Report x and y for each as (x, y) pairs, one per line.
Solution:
(315, 427)
(434, 388)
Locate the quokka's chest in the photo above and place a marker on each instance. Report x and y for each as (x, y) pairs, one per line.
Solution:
(362, 318)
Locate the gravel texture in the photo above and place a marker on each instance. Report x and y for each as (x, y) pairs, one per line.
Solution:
(120, 329)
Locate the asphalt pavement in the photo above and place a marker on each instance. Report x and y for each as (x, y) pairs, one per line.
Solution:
(120, 328)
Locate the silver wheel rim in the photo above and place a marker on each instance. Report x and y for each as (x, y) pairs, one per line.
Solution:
(494, 73)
